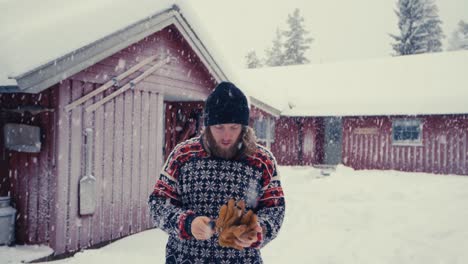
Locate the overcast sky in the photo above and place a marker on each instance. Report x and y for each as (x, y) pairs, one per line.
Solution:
(342, 30)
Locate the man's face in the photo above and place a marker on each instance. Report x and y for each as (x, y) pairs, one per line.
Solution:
(226, 135)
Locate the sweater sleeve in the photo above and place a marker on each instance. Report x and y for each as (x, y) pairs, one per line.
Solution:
(271, 205)
(165, 205)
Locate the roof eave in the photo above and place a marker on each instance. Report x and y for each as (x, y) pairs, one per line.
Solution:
(202, 52)
(9, 89)
(53, 72)
(265, 107)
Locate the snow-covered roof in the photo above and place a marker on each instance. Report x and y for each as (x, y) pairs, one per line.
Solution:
(69, 36)
(434, 83)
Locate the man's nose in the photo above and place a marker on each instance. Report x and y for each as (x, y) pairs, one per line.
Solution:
(227, 135)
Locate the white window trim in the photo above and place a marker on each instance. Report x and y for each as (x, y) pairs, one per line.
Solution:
(270, 122)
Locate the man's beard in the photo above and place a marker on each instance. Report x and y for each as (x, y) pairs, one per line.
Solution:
(219, 152)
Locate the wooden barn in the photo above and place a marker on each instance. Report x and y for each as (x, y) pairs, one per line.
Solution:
(401, 113)
(87, 122)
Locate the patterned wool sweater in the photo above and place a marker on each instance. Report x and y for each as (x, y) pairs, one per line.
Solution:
(193, 183)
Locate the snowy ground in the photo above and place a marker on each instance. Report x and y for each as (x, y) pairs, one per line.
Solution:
(348, 217)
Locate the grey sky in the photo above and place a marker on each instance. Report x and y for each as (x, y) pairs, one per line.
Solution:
(343, 30)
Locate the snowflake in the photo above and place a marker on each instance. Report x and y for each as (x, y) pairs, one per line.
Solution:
(230, 176)
(200, 164)
(191, 174)
(219, 254)
(226, 165)
(249, 171)
(197, 207)
(235, 188)
(205, 174)
(258, 174)
(190, 166)
(237, 166)
(223, 187)
(222, 175)
(251, 253)
(205, 252)
(204, 197)
(231, 253)
(193, 252)
(198, 186)
(186, 187)
(211, 164)
(184, 169)
(210, 186)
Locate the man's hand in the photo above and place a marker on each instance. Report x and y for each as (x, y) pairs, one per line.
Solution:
(246, 239)
(236, 229)
(201, 228)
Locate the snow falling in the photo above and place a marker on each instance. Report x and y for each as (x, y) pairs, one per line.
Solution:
(333, 215)
(347, 217)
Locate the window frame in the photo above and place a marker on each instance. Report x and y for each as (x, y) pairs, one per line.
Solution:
(269, 132)
(406, 123)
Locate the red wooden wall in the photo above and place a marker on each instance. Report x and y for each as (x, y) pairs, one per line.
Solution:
(128, 141)
(127, 152)
(29, 178)
(299, 141)
(444, 149)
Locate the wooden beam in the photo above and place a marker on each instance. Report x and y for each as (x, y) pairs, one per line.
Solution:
(110, 83)
(129, 85)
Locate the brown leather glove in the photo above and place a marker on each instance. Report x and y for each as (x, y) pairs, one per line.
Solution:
(250, 221)
(232, 224)
(230, 214)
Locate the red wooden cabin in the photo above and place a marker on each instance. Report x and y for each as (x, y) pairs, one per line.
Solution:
(112, 109)
(402, 113)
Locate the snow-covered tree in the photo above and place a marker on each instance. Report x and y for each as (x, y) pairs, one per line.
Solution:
(274, 55)
(252, 60)
(420, 28)
(296, 42)
(459, 39)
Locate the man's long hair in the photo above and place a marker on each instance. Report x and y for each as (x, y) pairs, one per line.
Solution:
(245, 145)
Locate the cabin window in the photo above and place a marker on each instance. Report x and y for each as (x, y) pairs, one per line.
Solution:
(265, 130)
(407, 132)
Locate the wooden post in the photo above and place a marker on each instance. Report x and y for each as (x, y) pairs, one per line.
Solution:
(110, 83)
(129, 85)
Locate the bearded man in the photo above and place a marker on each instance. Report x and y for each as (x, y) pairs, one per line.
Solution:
(208, 184)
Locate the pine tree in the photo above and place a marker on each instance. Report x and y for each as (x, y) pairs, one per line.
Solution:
(297, 42)
(274, 55)
(420, 28)
(252, 60)
(459, 39)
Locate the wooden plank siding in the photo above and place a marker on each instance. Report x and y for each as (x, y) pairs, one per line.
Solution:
(127, 149)
(286, 145)
(298, 140)
(121, 166)
(443, 149)
(98, 171)
(126, 163)
(28, 177)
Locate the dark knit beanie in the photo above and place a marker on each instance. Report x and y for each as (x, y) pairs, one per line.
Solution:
(226, 104)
